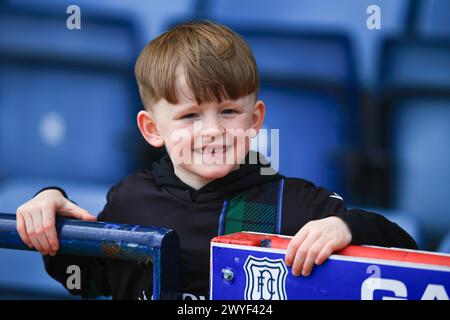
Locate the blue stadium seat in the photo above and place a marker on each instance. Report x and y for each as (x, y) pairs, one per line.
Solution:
(67, 107)
(306, 13)
(150, 15)
(58, 88)
(434, 18)
(347, 17)
(308, 86)
(22, 276)
(445, 244)
(415, 84)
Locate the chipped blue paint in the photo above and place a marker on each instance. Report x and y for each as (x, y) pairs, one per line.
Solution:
(118, 241)
(111, 226)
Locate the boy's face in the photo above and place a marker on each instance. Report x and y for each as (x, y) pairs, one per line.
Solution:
(206, 141)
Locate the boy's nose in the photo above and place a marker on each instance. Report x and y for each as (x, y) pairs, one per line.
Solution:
(212, 128)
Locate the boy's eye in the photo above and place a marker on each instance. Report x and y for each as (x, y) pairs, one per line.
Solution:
(228, 111)
(189, 116)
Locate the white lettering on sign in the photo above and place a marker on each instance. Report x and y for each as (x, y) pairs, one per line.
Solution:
(399, 289)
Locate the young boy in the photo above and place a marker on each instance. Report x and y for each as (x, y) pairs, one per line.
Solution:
(198, 84)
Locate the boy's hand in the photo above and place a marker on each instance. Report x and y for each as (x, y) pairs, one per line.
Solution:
(36, 220)
(315, 242)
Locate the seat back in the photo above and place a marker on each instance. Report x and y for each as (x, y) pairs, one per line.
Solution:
(434, 18)
(308, 86)
(68, 97)
(416, 91)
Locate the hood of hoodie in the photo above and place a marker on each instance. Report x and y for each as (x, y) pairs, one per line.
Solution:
(246, 176)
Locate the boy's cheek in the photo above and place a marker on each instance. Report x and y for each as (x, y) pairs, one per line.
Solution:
(180, 153)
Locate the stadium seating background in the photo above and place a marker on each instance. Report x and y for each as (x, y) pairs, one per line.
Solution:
(365, 113)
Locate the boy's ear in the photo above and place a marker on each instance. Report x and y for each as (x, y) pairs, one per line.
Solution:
(259, 112)
(148, 128)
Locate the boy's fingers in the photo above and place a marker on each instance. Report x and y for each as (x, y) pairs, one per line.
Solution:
(22, 230)
(73, 211)
(30, 232)
(293, 246)
(326, 251)
(48, 224)
(302, 252)
(40, 233)
(313, 252)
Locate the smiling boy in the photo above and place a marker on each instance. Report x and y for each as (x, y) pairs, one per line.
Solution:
(199, 84)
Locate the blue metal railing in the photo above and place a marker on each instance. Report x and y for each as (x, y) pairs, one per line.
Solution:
(159, 246)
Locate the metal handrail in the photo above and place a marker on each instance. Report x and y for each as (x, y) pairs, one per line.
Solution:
(159, 246)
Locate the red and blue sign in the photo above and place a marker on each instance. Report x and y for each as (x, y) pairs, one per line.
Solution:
(242, 269)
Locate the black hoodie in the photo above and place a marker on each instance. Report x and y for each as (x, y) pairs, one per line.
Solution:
(158, 197)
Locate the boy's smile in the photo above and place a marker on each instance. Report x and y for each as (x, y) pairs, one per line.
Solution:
(205, 142)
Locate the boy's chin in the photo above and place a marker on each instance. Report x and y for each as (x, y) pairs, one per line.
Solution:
(213, 171)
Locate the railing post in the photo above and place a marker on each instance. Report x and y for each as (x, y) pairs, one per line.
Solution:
(110, 240)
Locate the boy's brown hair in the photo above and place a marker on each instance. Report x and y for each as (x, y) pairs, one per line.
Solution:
(218, 64)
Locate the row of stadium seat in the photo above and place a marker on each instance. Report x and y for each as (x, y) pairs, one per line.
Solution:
(68, 101)
(59, 87)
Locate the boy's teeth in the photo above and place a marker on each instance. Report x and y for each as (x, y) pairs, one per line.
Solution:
(209, 150)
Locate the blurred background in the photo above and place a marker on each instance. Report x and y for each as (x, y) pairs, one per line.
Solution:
(363, 112)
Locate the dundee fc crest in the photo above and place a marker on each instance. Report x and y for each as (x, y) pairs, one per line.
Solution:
(265, 279)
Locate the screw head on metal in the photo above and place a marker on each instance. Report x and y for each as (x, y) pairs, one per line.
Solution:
(227, 274)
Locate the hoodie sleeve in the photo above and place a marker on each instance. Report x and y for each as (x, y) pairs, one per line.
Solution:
(307, 202)
(93, 280)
